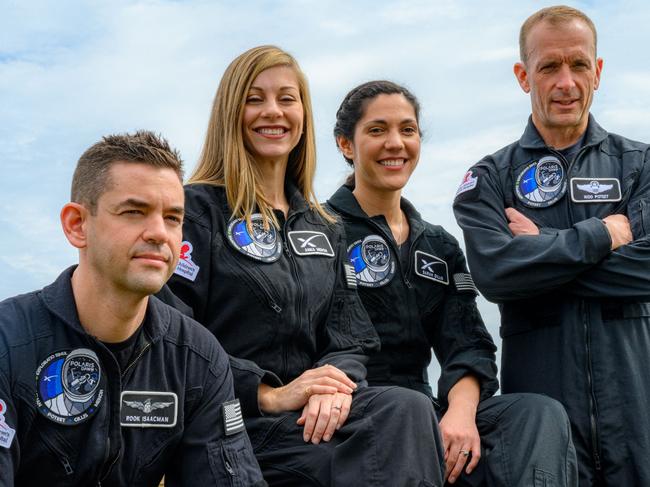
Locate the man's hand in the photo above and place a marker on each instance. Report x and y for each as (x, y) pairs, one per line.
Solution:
(322, 380)
(323, 415)
(619, 230)
(520, 224)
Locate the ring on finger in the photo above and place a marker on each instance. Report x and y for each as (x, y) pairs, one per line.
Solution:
(465, 453)
(337, 407)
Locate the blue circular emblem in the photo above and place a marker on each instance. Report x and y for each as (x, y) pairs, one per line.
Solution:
(69, 386)
(372, 261)
(260, 244)
(541, 183)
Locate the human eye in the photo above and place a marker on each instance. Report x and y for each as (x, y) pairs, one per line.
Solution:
(253, 98)
(410, 130)
(131, 212)
(174, 219)
(375, 130)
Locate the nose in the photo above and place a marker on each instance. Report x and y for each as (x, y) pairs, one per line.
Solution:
(271, 109)
(156, 230)
(565, 79)
(394, 140)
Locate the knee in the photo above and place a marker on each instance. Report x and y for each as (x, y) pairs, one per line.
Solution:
(407, 400)
(543, 409)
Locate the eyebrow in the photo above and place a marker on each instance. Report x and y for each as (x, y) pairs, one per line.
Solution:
(382, 121)
(285, 88)
(136, 203)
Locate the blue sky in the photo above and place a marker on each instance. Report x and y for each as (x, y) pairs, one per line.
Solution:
(71, 72)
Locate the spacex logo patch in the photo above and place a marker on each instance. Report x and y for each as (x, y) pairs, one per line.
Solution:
(431, 267)
(306, 243)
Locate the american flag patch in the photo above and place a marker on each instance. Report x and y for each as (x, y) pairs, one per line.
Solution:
(464, 282)
(350, 276)
(233, 422)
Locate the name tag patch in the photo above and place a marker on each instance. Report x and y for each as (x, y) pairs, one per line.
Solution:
(306, 242)
(350, 276)
(148, 409)
(186, 266)
(595, 190)
(6, 432)
(431, 267)
(233, 421)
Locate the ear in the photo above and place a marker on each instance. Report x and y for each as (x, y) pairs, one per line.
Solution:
(345, 146)
(522, 76)
(73, 221)
(599, 69)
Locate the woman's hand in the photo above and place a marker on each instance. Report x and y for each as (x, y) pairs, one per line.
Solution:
(460, 436)
(294, 395)
(323, 415)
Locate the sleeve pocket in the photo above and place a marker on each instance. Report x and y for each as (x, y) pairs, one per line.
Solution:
(233, 463)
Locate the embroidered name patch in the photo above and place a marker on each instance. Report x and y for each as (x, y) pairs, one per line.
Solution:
(541, 183)
(7, 433)
(468, 183)
(464, 282)
(595, 190)
(431, 267)
(260, 244)
(372, 261)
(306, 242)
(69, 386)
(233, 421)
(186, 266)
(148, 409)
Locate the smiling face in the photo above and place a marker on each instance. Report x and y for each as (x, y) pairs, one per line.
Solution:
(386, 144)
(273, 115)
(133, 241)
(561, 75)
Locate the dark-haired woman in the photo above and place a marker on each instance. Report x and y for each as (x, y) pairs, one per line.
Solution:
(415, 285)
(263, 267)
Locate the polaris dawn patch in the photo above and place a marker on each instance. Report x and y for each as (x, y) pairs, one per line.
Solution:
(186, 266)
(595, 190)
(541, 183)
(259, 244)
(431, 267)
(308, 243)
(233, 421)
(7, 433)
(468, 183)
(69, 386)
(148, 409)
(373, 263)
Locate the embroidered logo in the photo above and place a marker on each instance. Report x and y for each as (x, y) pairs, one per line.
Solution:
(350, 276)
(186, 266)
(541, 183)
(7, 433)
(464, 282)
(306, 242)
(69, 386)
(233, 421)
(260, 243)
(148, 409)
(431, 267)
(595, 190)
(468, 183)
(372, 261)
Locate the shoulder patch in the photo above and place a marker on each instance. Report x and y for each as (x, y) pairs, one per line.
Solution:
(431, 267)
(308, 243)
(148, 409)
(374, 265)
(69, 386)
(595, 190)
(259, 244)
(186, 266)
(541, 183)
(469, 189)
(7, 433)
(233, 421)
(350, 276)
(464, 283)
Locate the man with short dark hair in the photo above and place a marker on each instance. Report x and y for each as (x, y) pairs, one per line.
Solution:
(556, 227)
(99, 382)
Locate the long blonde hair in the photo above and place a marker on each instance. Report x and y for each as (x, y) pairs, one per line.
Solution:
(225, 160)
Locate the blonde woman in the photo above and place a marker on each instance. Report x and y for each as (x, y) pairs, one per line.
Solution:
(264, 268)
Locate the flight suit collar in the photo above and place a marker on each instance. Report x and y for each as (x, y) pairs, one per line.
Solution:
(532, 140)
